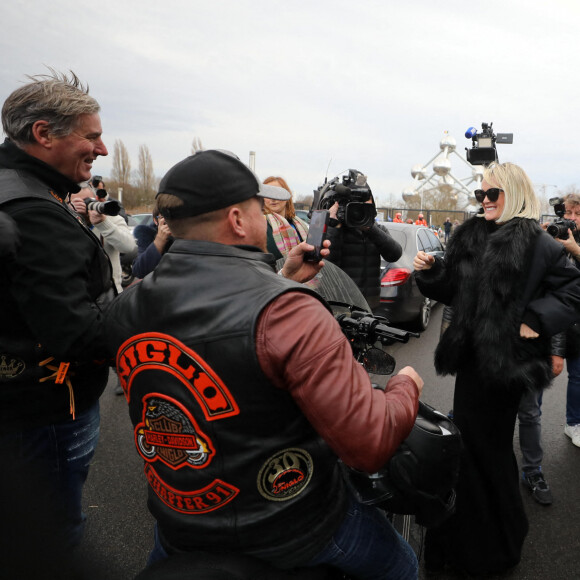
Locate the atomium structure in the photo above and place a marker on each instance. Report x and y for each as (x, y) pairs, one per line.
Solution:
(440, 179)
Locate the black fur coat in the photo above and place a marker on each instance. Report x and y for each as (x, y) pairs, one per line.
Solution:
(497, 277)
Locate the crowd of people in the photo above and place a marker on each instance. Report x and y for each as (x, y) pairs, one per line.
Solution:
(230, 364)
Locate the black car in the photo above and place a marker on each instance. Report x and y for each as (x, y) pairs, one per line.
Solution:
(401, 301)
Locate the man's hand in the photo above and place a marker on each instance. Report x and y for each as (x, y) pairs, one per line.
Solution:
(295, 268)
(80, 207)
(570, 245)
(412, 374)
(163, 234)
(557, 364)
(423, 261)
(333, 212)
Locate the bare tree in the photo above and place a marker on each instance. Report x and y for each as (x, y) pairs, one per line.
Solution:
(146, 181)
(121, 171)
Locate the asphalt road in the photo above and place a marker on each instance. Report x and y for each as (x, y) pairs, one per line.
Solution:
(119, 528)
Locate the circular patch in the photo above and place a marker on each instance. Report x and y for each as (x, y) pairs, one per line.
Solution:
(285, 475)
(10, 367)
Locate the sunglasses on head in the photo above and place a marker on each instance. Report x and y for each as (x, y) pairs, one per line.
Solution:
(492, 194)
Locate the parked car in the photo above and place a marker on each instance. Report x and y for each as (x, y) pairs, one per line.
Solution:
(139, 219)
(401, 302)
(303, 215)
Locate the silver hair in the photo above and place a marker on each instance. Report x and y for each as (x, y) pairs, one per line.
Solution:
(57, 98)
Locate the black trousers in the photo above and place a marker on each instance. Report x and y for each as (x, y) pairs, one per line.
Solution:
(487, 532)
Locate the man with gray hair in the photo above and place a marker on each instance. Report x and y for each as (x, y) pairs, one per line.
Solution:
(53, 290)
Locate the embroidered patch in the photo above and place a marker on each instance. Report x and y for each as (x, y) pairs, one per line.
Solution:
(200, 501)
(10, 367)
(285, 475)
(169, 433)
(162, 352)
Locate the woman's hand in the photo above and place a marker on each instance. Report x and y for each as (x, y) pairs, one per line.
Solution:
(423, 261)
(557, 364)
(527, 332)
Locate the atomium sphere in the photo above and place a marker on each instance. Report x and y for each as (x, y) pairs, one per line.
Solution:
(418, 171)
(409, 191)
(448, 141)
(442, 166)
(446, 185)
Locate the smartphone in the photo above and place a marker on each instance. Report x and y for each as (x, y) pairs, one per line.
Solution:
(316, 234)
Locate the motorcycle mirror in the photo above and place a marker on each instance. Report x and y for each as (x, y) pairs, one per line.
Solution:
(378, 362)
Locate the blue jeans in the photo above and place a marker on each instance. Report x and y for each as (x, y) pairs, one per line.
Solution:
(46, 468)
(365, 545)
(529, 416)
(573, 391)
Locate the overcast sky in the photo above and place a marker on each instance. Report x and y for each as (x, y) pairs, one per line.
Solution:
(316, 87)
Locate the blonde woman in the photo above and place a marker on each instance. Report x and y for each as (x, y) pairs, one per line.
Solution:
(511, 288)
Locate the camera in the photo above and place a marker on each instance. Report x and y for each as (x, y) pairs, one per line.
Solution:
(351, 193)
(483, 151)
(559, 228)
(111, 207)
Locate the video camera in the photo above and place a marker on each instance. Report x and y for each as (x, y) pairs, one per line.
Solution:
(351, 194)
(111, 207)
(559, 228)
(483, 151)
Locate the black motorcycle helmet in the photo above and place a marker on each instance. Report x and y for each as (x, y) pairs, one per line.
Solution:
(421, 476)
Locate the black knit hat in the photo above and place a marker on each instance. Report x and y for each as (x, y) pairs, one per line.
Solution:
(211, 180)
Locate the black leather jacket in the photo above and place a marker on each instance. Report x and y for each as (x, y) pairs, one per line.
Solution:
(53, 288)
(232, 463)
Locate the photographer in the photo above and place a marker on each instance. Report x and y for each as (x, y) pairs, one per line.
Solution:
(152, 243)
(112, 230)
(571, 243)
(101, 194)
(358, 249)
(255, 373)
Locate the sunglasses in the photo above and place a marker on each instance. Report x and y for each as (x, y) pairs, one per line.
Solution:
(491, 194)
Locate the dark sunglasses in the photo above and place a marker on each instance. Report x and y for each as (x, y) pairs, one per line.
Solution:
(492, 194)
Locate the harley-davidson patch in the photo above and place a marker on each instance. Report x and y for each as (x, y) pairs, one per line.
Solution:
(170, 433)
(285, 475)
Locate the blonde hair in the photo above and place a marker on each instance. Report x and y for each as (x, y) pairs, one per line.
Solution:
(521, 200)
(290, 211)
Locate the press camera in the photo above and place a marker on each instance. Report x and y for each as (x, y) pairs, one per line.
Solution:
(111, 207)
(351, 193)
(483, 151)
(559, 227)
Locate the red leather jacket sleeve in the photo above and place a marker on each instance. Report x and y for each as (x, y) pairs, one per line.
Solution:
(302, 350)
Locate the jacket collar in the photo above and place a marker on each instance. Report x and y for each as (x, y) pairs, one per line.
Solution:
(12, 157)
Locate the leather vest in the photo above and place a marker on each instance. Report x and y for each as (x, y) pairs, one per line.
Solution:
(28, 399)
(231, 461)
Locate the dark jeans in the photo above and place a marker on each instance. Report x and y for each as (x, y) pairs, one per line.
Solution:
(530, 429)
(365, 545)
(573, 391)
(368, 547)
(41, 487)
